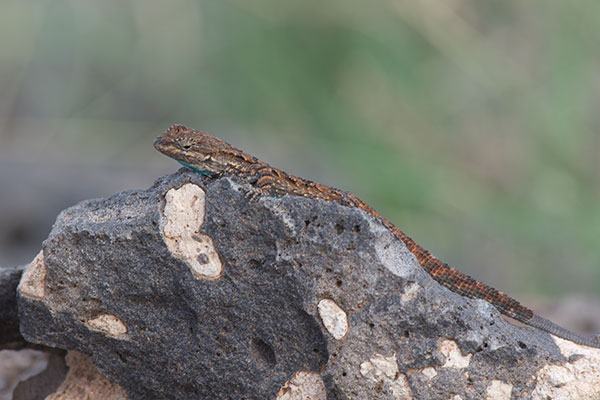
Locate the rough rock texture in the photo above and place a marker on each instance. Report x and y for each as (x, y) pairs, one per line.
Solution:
(191, 290)
(10, 337)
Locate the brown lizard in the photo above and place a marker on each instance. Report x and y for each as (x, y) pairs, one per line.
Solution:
(209, 155)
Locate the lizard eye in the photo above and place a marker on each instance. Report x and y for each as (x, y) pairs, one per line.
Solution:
(185, 144)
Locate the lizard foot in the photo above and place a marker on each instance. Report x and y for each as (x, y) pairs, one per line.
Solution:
(253, 194)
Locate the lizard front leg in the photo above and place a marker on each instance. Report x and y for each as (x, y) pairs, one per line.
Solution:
(275, 183)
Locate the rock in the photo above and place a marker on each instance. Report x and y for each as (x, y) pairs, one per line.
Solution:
(82, 381)
(192, 290)
(10, 337)
(20, 365)
(47, 381)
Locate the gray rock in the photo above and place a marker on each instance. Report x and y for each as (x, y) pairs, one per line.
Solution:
(268, 298)
(10, 338)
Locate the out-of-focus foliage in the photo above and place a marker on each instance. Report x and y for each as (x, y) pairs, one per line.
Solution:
(473, 125)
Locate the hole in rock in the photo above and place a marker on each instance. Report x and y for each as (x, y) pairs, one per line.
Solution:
(263, 352)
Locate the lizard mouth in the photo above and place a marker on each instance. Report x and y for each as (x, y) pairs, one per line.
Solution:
(164, 146)
(158, 143)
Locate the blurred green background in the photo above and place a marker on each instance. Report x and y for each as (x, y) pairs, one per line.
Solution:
(472, 125)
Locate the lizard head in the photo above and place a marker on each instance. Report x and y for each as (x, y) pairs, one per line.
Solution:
(200, 151)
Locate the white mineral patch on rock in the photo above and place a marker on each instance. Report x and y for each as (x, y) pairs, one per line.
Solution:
(454, 358)
(108, 324)
(304, 385)
(334, 318)
(429, 372)
(498, 390)
(385, 369)
(183, 216)
(33, 281)
(579, 379)
(411, 291)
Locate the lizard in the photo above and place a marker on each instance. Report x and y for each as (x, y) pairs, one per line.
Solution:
(209, 155)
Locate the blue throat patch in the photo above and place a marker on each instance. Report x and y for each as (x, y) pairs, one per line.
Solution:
(190, 166)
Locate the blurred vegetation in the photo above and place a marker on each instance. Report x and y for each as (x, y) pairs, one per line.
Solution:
(472, 125)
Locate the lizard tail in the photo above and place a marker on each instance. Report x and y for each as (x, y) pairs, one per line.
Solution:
(464, 285)
(542, 323)
(461, 283)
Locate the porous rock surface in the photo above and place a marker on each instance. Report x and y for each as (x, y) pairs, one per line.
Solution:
(194, 290)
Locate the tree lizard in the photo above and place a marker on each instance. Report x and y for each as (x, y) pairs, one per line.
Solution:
(209, 155)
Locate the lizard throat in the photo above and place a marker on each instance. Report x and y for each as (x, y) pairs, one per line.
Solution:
(193, 168)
